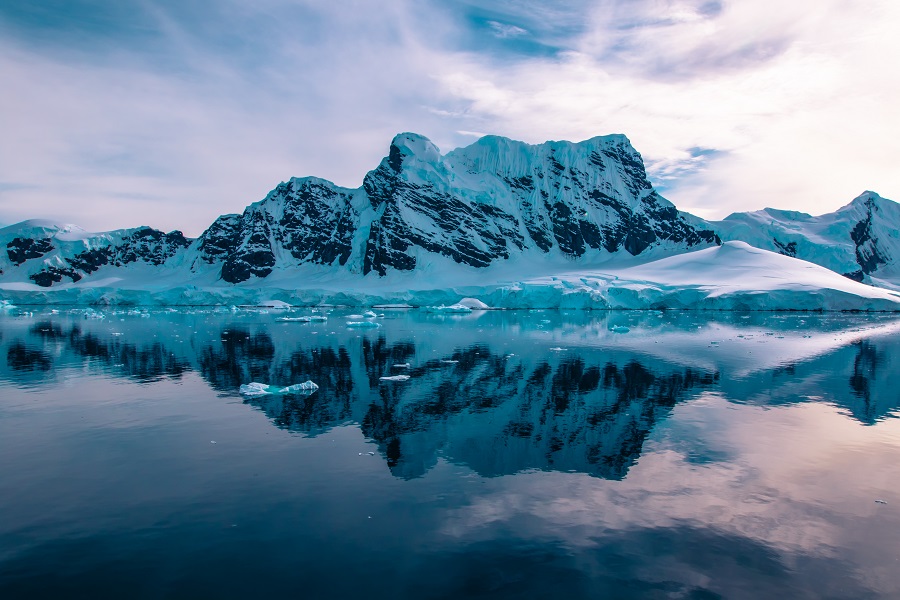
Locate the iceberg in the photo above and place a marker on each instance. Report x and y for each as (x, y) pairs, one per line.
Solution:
(261, 389)
(473, 303)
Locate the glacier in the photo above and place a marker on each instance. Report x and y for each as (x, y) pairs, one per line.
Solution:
(497, 224)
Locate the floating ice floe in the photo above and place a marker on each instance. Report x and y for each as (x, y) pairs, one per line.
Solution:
(262, 389)
(294, 319)
(363, 324)
(394, 378)
(452, 309)
(619, 329)
(401, 366)
(318, 318)
(369, 314)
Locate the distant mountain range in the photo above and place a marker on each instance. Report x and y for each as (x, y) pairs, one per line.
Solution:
(496, 206)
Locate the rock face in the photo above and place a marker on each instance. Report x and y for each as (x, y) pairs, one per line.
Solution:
(47, 254)
(861, 240)
(475, 206)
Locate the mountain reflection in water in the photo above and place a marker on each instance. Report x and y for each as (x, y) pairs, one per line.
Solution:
(496, 392)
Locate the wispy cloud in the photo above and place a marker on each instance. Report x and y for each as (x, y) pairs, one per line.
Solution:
(504, 30)
(123, 113)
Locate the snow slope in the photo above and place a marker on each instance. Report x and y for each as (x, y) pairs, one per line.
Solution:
(860, 240)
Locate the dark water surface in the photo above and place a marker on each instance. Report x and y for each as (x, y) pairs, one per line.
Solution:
(530, 454)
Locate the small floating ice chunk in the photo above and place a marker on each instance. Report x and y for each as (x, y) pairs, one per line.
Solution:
(294, 319)
(401, 366)
(450, 362)
(369, 314)
(306, 386)
(558, 349)
(394, 378)
(318, 318)
(619, 329)
(363, 324)
(255, 389)
(880, 502)
(261, 389)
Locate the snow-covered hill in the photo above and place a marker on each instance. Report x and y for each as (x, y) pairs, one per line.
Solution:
(860, 240)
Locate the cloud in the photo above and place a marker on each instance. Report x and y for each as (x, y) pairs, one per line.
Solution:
(169, 114)
(794, 100)
(502, 30)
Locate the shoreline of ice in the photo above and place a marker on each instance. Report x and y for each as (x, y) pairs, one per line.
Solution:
(731, 277)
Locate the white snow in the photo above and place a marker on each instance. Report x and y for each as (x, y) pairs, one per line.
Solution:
(473, 304)
(276, 304)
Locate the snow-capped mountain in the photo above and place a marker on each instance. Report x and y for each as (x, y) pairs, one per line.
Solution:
(47, 253)
(478, 205)
(861, 240)
(497, 217)
(475, 207)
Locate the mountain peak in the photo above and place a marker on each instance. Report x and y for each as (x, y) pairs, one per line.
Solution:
(412, 144)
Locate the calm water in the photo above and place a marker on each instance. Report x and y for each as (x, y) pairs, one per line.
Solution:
(530, 454)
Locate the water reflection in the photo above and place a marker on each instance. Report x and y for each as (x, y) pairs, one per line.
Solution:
(488, 392)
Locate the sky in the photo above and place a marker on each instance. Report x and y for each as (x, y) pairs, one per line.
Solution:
(168, 113)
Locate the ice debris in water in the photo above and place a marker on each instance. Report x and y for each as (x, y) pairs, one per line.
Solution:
(261, 389)
(394, 378)
(294, 319)
(362, 324)
(452, 309)
(369, 314)
(318, 318)
(401, 366)
(619, 329)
